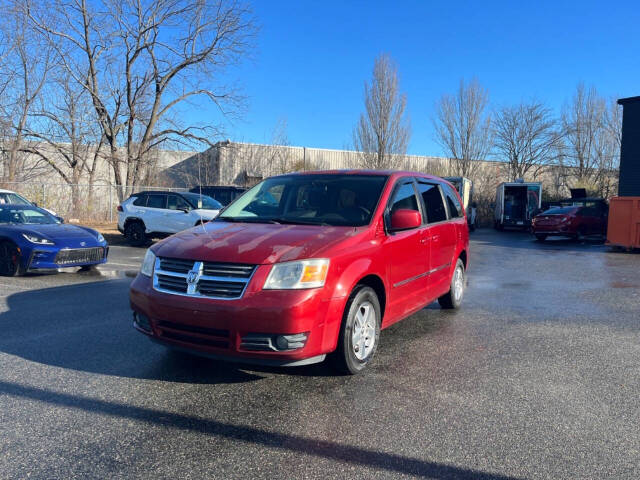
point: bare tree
(592, 133)
(67, 137)
(382, 134)
(463, 126)
(526, 138)
(608, 145)
(280, 156)
(24, 75)
(141, 60)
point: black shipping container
(629, 185)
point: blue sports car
(32, 239)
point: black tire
(344, 358)
(452, 300)
(540, 237)
(88, 269)
(581, 236)
(10, 260)
(135, 233)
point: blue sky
(313, 58)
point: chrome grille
(72, 256)
(193, 278)
(175, 284)
(176, 265)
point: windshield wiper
(291, 221)
(247, 220)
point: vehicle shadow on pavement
(88, 327)
(246, 434)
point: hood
(256, 243)
(59, 231)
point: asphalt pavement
(537, 376)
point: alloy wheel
(363, 336)
(458, 284)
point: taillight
(119, 208)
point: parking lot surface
(537, 376)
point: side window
(174, 202)
(404, 198)
(157, 201)
(433, 202)
(455, 209)
(140, 201)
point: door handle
(435, 237)
(423, 240)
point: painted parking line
(132, 265)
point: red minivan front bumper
(228, 329)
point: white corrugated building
(242, 164)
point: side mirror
(404, 219)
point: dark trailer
(516, 204)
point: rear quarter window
(140, 201)
(157, 201)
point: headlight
(297, 275)
(148, 263)
(100, 238)
(36, 239)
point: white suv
(148, 215)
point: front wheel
(135, 233)
(10, 260)
(453, 298)
(360, 331)
(541, 237)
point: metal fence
(82, 202)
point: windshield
(202, 201)
(25, 216)
(559, 211)
(340, 200)
(13, 199)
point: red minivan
(306, 265)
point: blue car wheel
(9, 260)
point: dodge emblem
(192, 277)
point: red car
(306, 265)
(577, 221)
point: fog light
(142, 322)
(291, 342)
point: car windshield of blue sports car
(23, 215)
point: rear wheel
(541, 237)
(581, 235)
(360, 331)
(10, 260)
(453, 298)
(135, 233)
